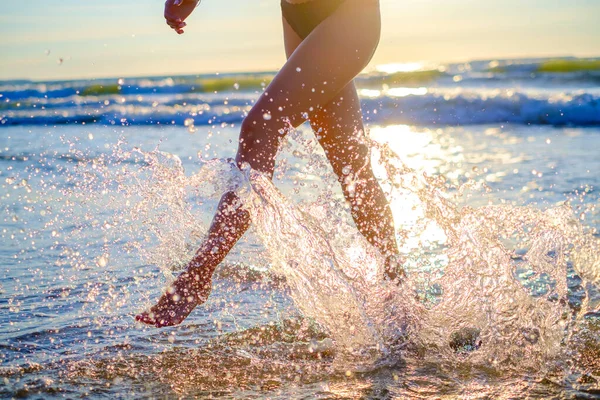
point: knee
(260, 125)
(258, 144)
(249, 141)
(247, 131)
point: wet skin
(313, 85)
(181, 297)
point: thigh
(291, 40)
(323, 64)
(338, 125)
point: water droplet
(267, 116)
(189, 122)
(102, 261)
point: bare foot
(394, 271)
(189, 290)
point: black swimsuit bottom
(305, 17)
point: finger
(177, 29)
(172, 17)
(176, 24)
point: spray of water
(498, 297)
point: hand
(176, 11)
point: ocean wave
(581, 109)
(555, 66)
(400, 78)
(540, 72)
(20, 90)
(408, 105)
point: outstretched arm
(176, 11)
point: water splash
(340, 287)
(495, 272)
(484, 250)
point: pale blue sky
(129, 38)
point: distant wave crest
(430, 106)
(582, 109)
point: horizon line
(274, 71)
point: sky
(67, 39)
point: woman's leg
(340, 130)
(341, 133)
(319, 68)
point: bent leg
(193, 286)
(320, 67)
(317, 70)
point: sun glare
(405, 91)
(418, 150)
(399, 67)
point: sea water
(108, 188)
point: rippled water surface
(497, 222)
